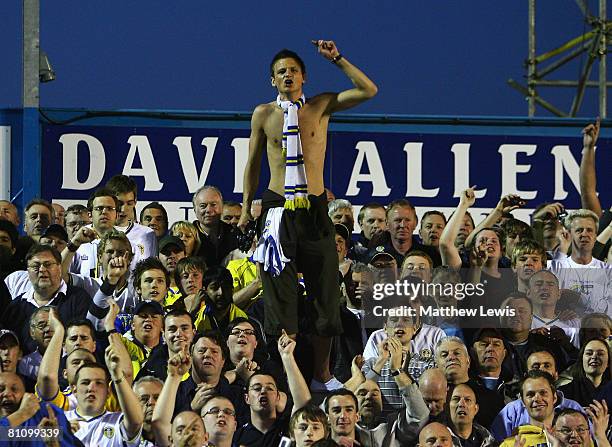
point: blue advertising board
(428, 164)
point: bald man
(435, 435)
(433, 387)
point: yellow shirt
(202, 322)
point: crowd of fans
(151, 334)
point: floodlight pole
(531, 62)
(603, 47)
(31, 149)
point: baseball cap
(6, 332)
(56, 230)
(378, 253)
(487, 332)
(153, 304)
(343, 231)
(171, 240)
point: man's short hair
(122, 184)
(528, 247)
(399, 203)
(434, 213)
(11, 230)
(231, 203)
(582, 213)
(500, 235)
(369, 206)
(102, 192)
(205, 188)
(42, 202)
(539, 350)
(568, 412)
(146, 265)
(514, 227)
(82, 322)
(187, 265)
(445, 274)
(93, 365)
(538, 374)
(219, 275)
(450, 338)
(311, 413)
(516, 295)
(179, 312)
(155, 206)
(549, 272)
(115, 235)
(287, 54)
(420, 254)
(42, 309)
(76, 209)
(216, 337)
(148, 379)
(340, 392)
(42, 248)
(338, 204)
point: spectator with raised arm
(267, 425)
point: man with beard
(217, 309)
(463, 408)
(23, 410)
(267, 425)
(452, 358)
(147, 390)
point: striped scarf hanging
(296, 188)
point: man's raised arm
(588, 179)
(364, 87)
(257, 143)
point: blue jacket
(515, 414)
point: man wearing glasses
(48, 289)
(102, 206)
(269, 417)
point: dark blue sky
(432, 57)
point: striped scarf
(296, 188)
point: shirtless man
(312, 250)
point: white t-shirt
(106, 430)
(593, 281)
(143, 239)
(423, 343)
(570, 327)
